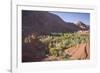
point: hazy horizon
(73, 16)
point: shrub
(53, 52)
(56, 43)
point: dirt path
(81, 51)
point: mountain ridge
(43, 22)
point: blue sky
(74, 17)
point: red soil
(80, 51)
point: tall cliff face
(43, 22)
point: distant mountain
(82, 26)
(43, 22)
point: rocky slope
(82, 26)
(43, 22)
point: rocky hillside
(37, 41)
(82, 26)
(43, 22)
